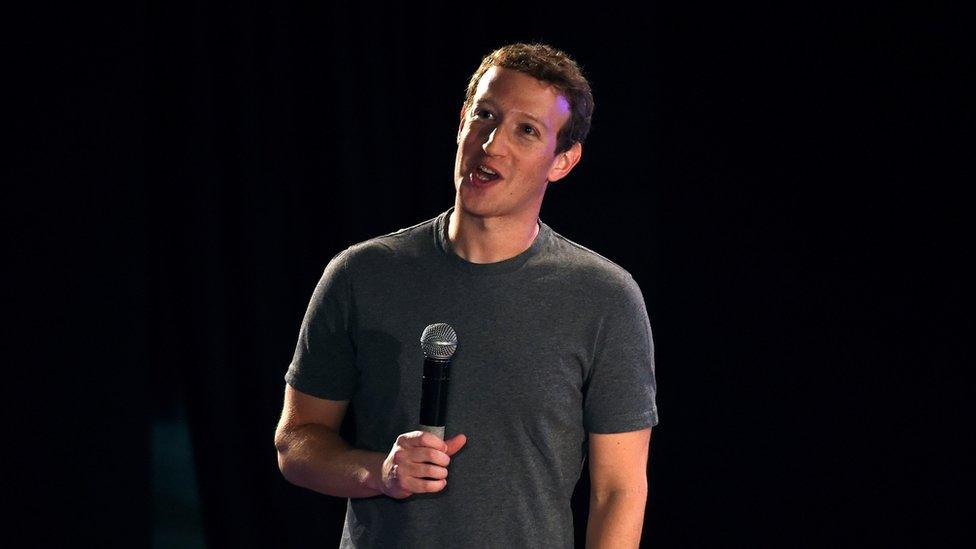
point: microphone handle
(433, 399)
(434, 430)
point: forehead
(517, 91)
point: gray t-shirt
(552, 344)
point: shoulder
(591, 270)
(409, 242)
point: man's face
(510, 129)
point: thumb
(455, 443)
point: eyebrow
(489, 102)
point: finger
(434, 472)
(420, 486)
(423, 471)
(427, 455)
(431, 441)
(409, 439)
(421, 439)
(455, 443)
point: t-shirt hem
(301, 385)
(643, 420)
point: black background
(778, 179)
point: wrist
(373, 477)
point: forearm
(313, 456)
(616, 519)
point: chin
(475, 208)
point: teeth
(486, 170)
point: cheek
(542, 165)
(469, 139)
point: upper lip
(491, 167)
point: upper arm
(618, 461)
(301, 409)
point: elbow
(290, 469)
(285, 465)
(287, 470)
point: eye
(483, 114)
(529, 130)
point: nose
(494, 145)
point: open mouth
(484, 175)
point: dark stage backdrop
(769, 175)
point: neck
(490, 239)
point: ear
(565, 162)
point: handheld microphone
(439, 342)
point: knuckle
(431, 441)
(434, 471)
(406, 437)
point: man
(554, 359)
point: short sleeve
(324, 363)
(620, 389)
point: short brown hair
(547, 64)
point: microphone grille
(438, 341)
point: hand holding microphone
(418, 461)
